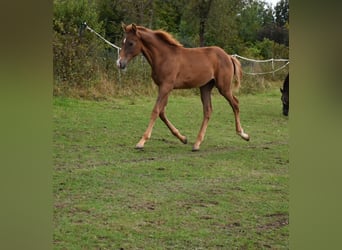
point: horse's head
(131, 45)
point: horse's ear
(123, 25)
(134, 28)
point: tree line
(251, 28)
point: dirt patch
(278, 220)
(198, 203)
(233, 225)
(150, 206)
(234, 228)
(206, 217)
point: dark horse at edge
(285, 94)
(176, 67)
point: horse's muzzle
(121, 63)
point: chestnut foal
(176, 67)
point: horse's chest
(164, 74)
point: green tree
(213, 22)
(223, 29)
(194, 21)
(168, 15)
(138, 11)
(75, 58)
(203, 14)
(282, 12)
(278, 29)
(253, 17)
(111, 15)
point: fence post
(273, 68)
(118, 51)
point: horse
(285, 93)
(176, 67)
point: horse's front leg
(171, 127)
(148, 132)
(207, 110)
(158, 107)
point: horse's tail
(237, 72)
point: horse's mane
(161, 34)
(167, 37)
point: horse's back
(212, 58)
(209, 53)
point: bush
(85, 66)
(75, 58)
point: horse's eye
(130, 44)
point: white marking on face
(118, 62)
(124, 41)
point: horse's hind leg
(207, 110)
(234, 103)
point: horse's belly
(193, 78)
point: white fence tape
(108, 42)
(272, 60)
(286, 61)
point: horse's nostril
(120, 64)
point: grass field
(232, 194)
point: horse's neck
(148, 54)
(153, 49)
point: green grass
(232, 194)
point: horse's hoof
(185, 141)
(244, 136)
(139, 147)
(195, 149)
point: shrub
(75, 58)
